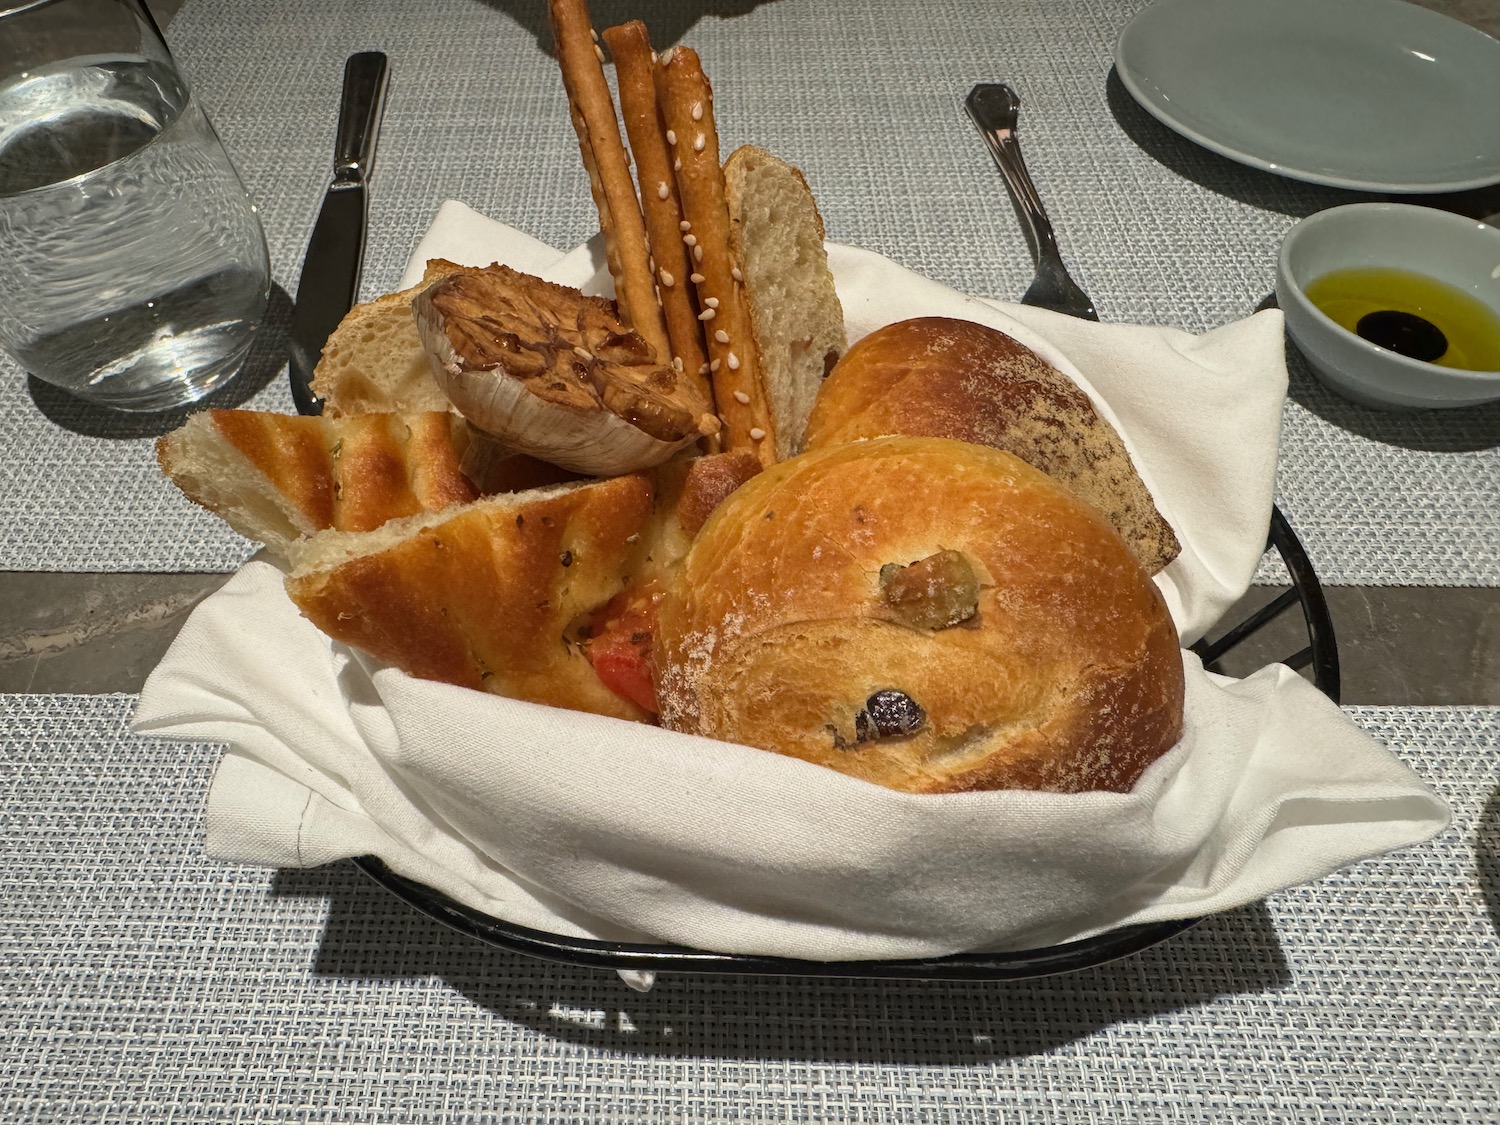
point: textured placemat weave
(142, 982)
(866, 99)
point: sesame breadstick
(593, 114)
(631, 49)
(686, 102)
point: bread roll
(939, 377)
(926, 614)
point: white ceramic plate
(1376, 95)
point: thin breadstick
(631, 49)
(686, 102)
(593, 113)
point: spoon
(995, 109)
(1404, 333)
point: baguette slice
(277, 477)
(776, 238)
(374, 362)
(492, 596)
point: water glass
(133, 267)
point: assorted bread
(923, 561)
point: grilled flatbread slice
(277, 477)
(495, 595)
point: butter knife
(329, 282)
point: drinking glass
(133, 267)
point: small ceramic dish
(1394, 272)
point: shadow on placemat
(667, 21)
(267, 359)
(370, 934)
(1454, 430)
(1217, 173)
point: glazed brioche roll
(928, 615)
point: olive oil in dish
(1399, 309)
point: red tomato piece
(620, 647)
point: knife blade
(329, 282)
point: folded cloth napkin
(593, 827)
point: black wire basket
(1320, 656)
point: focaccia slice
(277, 477)
(492, 596)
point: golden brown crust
(940, 377)
(593, 114)
(490, 596)
(778, 632)
(353, 473)
(709, 482)
(740, 397)
(631, 50)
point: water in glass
(132, 263)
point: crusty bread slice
(493, 595)
(776, 237)
(504, 594)
(374, 362)
(276, 477)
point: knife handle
(360, 110)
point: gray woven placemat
(866, 99)
(140, 981)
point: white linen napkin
(594, 827)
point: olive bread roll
(926, 614)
